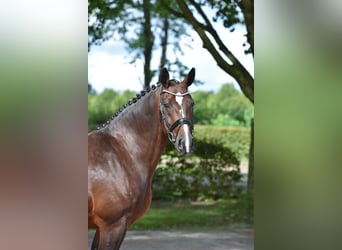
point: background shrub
(236, 139)
(211, 172)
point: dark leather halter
(177, 123)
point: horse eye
(166, 105)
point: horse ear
(190, 77)
(164, 77)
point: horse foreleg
(95, 243)
(111, 236)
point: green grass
(186, 214)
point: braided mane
(135, 99)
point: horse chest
(134, 191)
(139, 208)
(139, 200)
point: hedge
(211, 172)
(236, 139)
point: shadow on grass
(183, 214)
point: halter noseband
(180, 121)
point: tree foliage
(229, 13)
(227, 107)
(101, 107)
(147, 24)
(143, 26)
(91, 90)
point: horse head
(176, 108)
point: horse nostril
(180, 144)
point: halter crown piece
(180, 121)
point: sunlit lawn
(186, 214)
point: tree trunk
(250, 183)
(247, 8)
(148, 43)
(164, 43)
(235, 68)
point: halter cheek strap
(177, 123)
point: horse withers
(124, 152)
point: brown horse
(123, 154)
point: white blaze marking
(186, 127)
(179, 99)
(187, 137)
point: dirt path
(233, 239)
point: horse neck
(139, 128)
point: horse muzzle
(184, 143)
(183, 138)
(184, 148)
